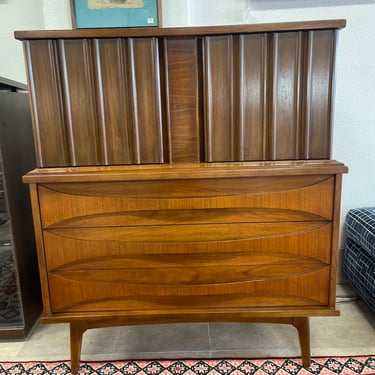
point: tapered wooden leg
(303, 328)
(77, 329)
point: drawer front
(75, 248)
(297, 198)
(190, 287)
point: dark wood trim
(179, 31)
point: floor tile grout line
(209, 338)
(139, 356)
(116, 341)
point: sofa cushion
(359, 270)
(360, 228)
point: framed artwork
(115, 13)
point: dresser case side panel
(39, 240)
(335, 239)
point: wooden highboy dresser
(185, 175)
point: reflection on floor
(353, 333)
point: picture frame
(115, 13)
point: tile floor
(353, 333)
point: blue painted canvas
(116, 17)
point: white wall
(204, 12)
(16, 15)
(56, 14)
(354, 128)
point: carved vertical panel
(48, 119)
(80, 103)
(219, 98)
(285, 106)
(146, 101)
(113, 101)
(183, 102)
(252, 99)
(319, 65)
(182, 98)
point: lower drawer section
(197, 244)
(202, 286)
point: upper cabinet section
(176, 95)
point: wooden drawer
(74, 248)
(183, 282)
(256, 199)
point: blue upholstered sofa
(359, 255)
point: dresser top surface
(181, 31)
(184, 171)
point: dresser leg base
(77, 329)
(303, 327)
(302, 324)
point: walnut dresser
(185, 175)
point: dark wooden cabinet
(184, 174)
(20, 296)
(209, 94)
